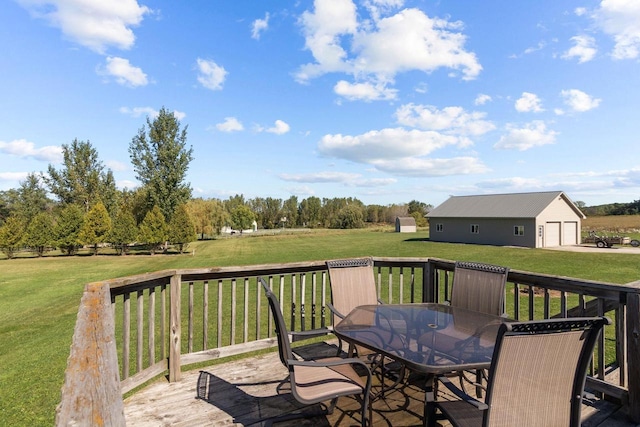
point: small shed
(405, 224)
(536, 220)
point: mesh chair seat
(537, 376)
(319, 380)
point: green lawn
(39, 297)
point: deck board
(245, 391)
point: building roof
(406, 220)
(514, 205)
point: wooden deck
(249, 391)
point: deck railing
(130, 330)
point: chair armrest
(302, 335)
(332, 362)
(335, 311)
(462, 395)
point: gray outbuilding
(406, 224)
(536, 220)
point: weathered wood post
(91, 393)
(175, 373)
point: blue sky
(387, 101)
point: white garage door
(570, 234)
(552, 234)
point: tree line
(87, 210)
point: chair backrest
(352, 284)
(479, 287)
(538, 372)
(284, 346)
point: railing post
(428, 283)
(91, 392)
(174, 333)
(633, 350)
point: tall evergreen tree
(123, 230)
(161, 159)
(181, 228)
(153, 229)
(68, 226)
(32, 198)
(96, 227)
(41, 233)
(11, 235)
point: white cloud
(583, 49)
(124, 73)
(148, 111)
(453, 120)
(533, 134)
(230, 124)
(259, 26)
(378, 8)
(482, 99)
(115, 165)
(125, 183)
(95, 24)
(364, 91)
(621, 20)
(416, 167)
(136, 112)
(579, 101)
(25, 149)
(345, 178)
(13, 176)
(535, 48)
(374, 50)
(279, 128)
(302, 191)
(211, 75)
(529, 102)
(385, 144)
(320, 177)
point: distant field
(628, 225)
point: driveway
(620, 249)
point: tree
(67, 230)
(421, 221)
(208, 216)
(351, 216)
(242, 217)
(11, 235)
(40, 234)
(272, 212)
(96, 227)
(31, 198)
(310, 211)
(83, 179)
(290, 211)
(153, 229)
(181, 228)
(8, 202)
(123, 230)
(161, 160)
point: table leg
(429, 417)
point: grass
(39, 297)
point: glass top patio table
(427, 338)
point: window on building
(439, 227)
(518, 230)
(475, 228)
